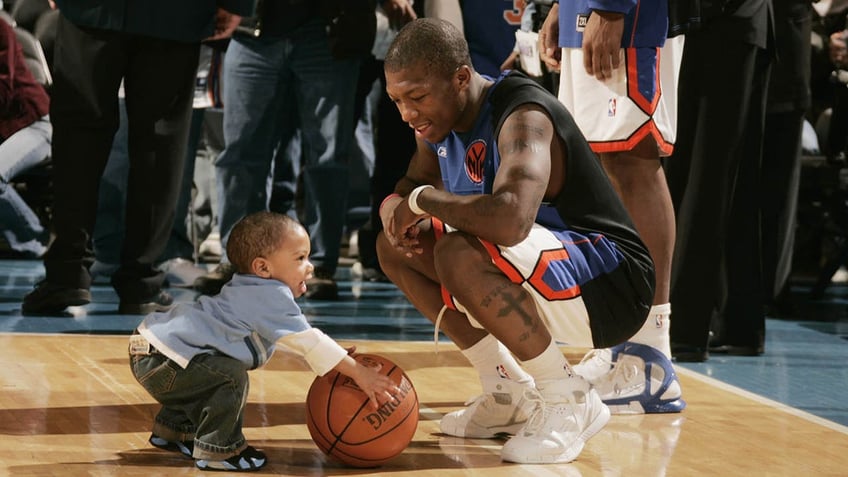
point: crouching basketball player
(507, 233)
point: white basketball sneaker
(596, 363)
(633, 378)
(492, 414)
(559, 426)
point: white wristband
(412, 201)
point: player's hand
(387, 216)
(409, 242)
(225, 25)
(602, 44)
(549, 51)
(404, 232)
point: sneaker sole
(569, 454)
(490, 433)
(636, 407)
(169, 446)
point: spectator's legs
(159, 112)
(22, 229)
(88, 67)
(325, 101)
(251, 107)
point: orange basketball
(345, 427)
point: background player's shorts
(639, 100)
(555, 267)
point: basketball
(345, 427)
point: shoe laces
(479, 400)
(598, 358)
(539, 411)
(624, 371)
(595, 364)
(436, 331)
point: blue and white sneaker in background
(633, 378)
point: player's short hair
(258, 235)
(435, 42)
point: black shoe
(157, 303)
(212, 282)
(183, 447)
(736, 350)
(50, 299)
(322, 286)
(248, 460)
(688, 354)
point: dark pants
(713, 177)
(158, 79)
(394, 147)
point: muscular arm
(423, 169)
(395, 215)
(505, 216)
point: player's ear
(260, 267)
(463, 76)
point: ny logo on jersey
(475, 157)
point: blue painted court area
(805, 365)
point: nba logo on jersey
(475, 157)
(611, 107)
(443, 151)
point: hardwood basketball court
(70, 406)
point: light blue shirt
(244, 321)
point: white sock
(656, 330)
(554, 377)
(494, 363)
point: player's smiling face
(428, 102)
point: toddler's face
(290, 262)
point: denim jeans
(204, 402)
(259, 75)
(23, 150)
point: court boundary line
(833, 426)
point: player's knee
(387, 254)
(456, 257)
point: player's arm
(549, 51)
(602, 36)
(395, 214)
(423, 169)
(506, 216)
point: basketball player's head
(274, 246)
(428, 73)
(434, 43)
